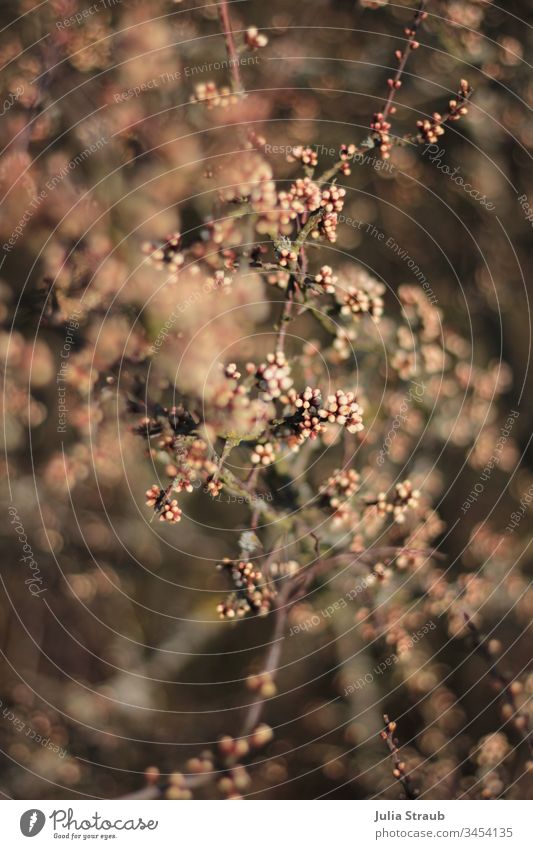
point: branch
(503, 684)
(181, 785)
(411, 44)
(223, 14)
(380, 123)
(387, 735)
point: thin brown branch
(286, 315)
(231, 50)
(399, 767)
(292, 590)
(380, 122)
(504, 685)
(411, 44)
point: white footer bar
(268, 824)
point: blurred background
(113, 659)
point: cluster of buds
(235, 778)
(170, 512)
(421, 315)
(381, 128)
(347, 152)
(262, 684)
(196, 455)
(255, 39)
(304, 196)
(194, 463)
(327, 227)
(155, 496)
(177, 788)
(261, 736)
(210, 94)
(287, 257)
(343, 409)
(272, 377)
(339, 488)
(233, 411)
(234, 782)
(489, 753)
(307, 421)
(166, 508)
(379, 574)
(326, 279)
(263, 454)
(182, 483)
(429, 129)
(404, 363)
(343, 342)
(252, 593)
(306, 155)
(280, 279)
(312, 415)
(231, 750)
(219, 233)
(332, 199)
(249, 178)
(214, 486)
(402, 498)
(232, 372)
(358, 300)
(457, 105)
(165, 256)
(202, 764)
(172, 443)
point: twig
(286, 314)
(380, 123)
(411, 44)
(271, 663)
(231, 50)
(293, 589)
(503, 684)
(387, 735)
